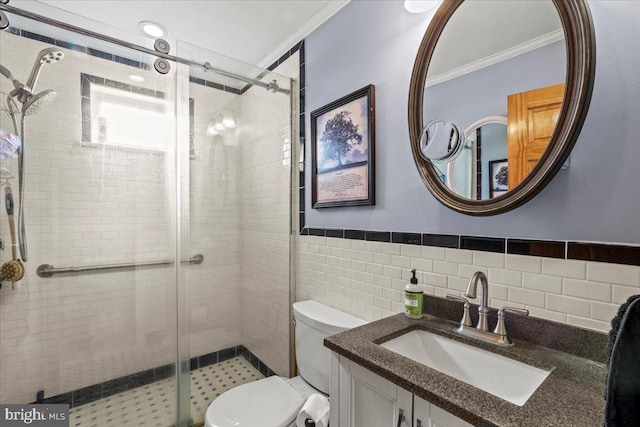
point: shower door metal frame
(205, 66)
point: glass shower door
(234, 309)
(93, 321)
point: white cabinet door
(426, 414)
(368, 400)
(420, 412)
(360, 398)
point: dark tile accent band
(585, 251)
(299, 47)
(542, 248)
(354, 234)
(118, 385)
(441, 240)
(316, 231)
(617, 254)
(378, 236)
(406, 238)
(333, 232)
(486, 244)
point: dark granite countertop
(572, 395)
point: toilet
(275, 401)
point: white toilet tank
(314, 322)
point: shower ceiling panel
(256, 32)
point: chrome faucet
(481, 331)
(483, 310)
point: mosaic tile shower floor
(154, 405)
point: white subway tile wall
(265, 151)
(550, 288)
(212, 288)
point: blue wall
(457, 99)
(596, 199)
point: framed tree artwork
(343, 151)
(498, 178)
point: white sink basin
(505, 378)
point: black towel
(623, 359)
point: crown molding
(487, 61)
(329, 9)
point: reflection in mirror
(497, 58)
(485, 144)
(441, 141)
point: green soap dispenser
(413, 298)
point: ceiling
(253, 31)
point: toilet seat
(269, 402)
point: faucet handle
(466, 318)
(501, 329)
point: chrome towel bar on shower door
(47, 270)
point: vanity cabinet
(427, 415)
(360, 398)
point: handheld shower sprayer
(12, 270)
(46, 56)
(31, 104)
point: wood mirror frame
(580, 50)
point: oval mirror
(517, 75)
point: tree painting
(502, 177)
(339, 136)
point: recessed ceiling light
(420, 6)
(152, 29)
(136, 78)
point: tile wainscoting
(366, 278)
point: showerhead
(38, 101)
(46, 56)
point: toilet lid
(269, 402)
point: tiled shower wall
(266, 158)
(367, 278)
(214, 231)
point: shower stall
(146, 255)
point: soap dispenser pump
(413, 298)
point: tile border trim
(114, 386)
(584, 251)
